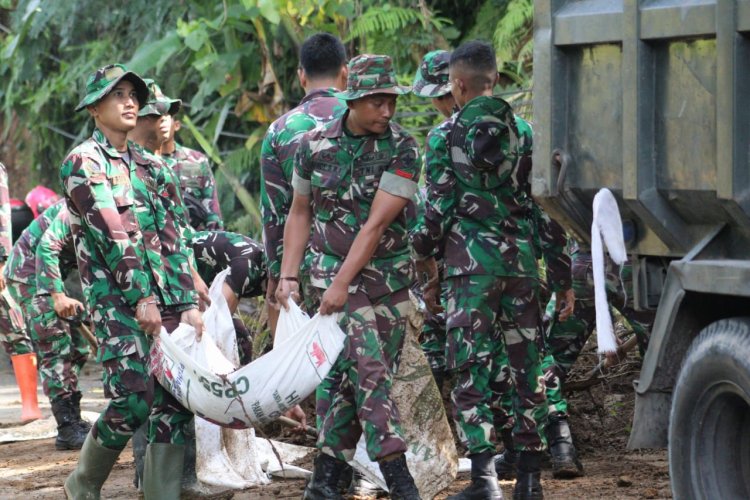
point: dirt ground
(600, 419)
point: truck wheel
(709, 424)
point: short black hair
(322, 55)
(478, 58)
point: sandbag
(207, 383)
(431, 455)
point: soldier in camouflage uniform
(60, 357)
(136, 279)
(13, 334)
(431, 81)
(322, 73)
(473, 206)
(352, 181)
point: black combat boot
(69, 435)
(483, 480)
(75, 398)
(528, 483)
(565, 463)
(398, 478)
(505, 462)
(323, 484)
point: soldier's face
(372, 114)
(118, 110)
(444, 104)
(156, 128)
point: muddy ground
(600, 418)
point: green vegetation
(232, 62)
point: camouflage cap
(484, 142)
(371, 74)
(431, 79)
(158, 103)
(103, 80)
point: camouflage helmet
(103, 80)
(485, 143)
(431, 79)
(158, 103)
(371, 74)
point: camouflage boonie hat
(103, 80)
(158, 103)
(484, 142)
(371, 74)
(431, 79)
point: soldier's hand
(2, 276)
(193, 318)
(298, 415)
(431, 296)
(64, 306)
(200, 286)
(566, 304)
(287, 288)
(334, 299)
(271, 286)
(148, 316)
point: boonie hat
(371, 74)
(484, 141)
(158, 103)
(431, 79)
(103, 80)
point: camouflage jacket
(277, 165)
(5, 218)
(55, 255)
(196, 179)
(128, 244)
(550, 241)
(21, 265)
(483, 231)
(342, 174)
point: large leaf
(153, 55)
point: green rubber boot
(162, 471)
(94, 465)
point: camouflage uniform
(13, 334)
(342, 174)
(128, 247)
(473, 207)
(216, 250)
(197, 182)
(277, 156)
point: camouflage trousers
(355, 397)
(13, 334)
(62, 350)
(217, 250)
(490, 319)
(134, 394)
(432, 340)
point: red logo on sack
(318, 354)
(403, 173)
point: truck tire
(709, 423)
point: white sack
(606, 225)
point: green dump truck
(649, 98)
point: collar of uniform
(139, 154)
(315, 93)
(102, 141)
(335, 129)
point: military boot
(70, 436)
(323, 484)
(94, 465)
(75, 398)
(528, 482)
(398, 478)
(162, 471)
(565, 463)
(505, 462)
(483, 484)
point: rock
(624, 481)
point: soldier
(352, 181)
(492, 272)
(321, 73)
(197, 181)
(13, 334)
(431, 81)
(136, 279)
(60, 357)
